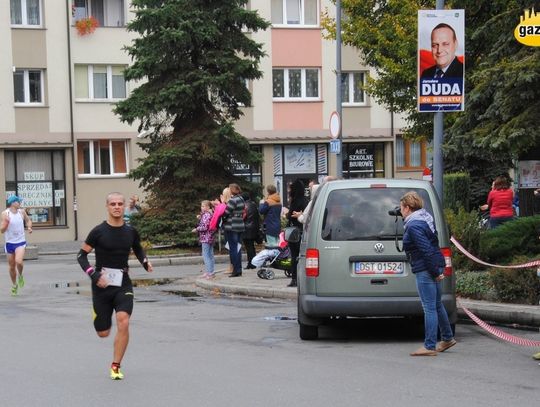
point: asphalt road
(203, 349)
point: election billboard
(441, 60)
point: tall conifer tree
(192, 60)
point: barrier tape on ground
(497, 332)
(530, 264)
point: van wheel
(308, 332)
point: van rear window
(362, 213)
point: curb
(281, 293)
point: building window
(38, 177)
(25, 13)
(109, 13)
(352, 92)
(412, 154)
(249, 173)
(363, 160)
(28, 86)
(296, 83)
(102, 157)
(100, 82)
(295, 12)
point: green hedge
(456, 190)
(513, 238)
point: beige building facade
(62, 149)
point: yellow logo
(528, 30)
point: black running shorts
(109, 299)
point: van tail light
(447, 253)
(312, 263)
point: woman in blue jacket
(421, 244)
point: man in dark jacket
(252, 225)
(234, 227)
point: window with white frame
(28, 86)
(295, 83)
(352, 92)
(100, 82)
(108, 13)
(295, 12)
(102, 157)
(25, 13)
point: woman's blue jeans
(435, 316)
(235, 255)
(208, 257)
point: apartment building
(62, 148)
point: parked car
(351, 263)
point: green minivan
(351, 260)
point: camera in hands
(395, 212)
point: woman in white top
(12, 224)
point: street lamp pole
(438, 139)
(339, 158)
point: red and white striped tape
(497, 332)
(534, 263)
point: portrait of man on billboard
(443, 49)
(441, 58)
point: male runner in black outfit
(111, 285)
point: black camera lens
(395, 212)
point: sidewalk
(249, 284)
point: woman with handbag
(297, 204)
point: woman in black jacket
(252, 224)
(297, 203)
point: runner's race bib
(114, 276)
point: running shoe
(116, 373)
(536, 356)
(21, 281)
(14, 290)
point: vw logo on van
(379, 248)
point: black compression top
(113, 245)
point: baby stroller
(273, 258)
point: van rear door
(358, 255)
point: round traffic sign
(335, 125)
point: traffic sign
(335, 146)
(335, 125)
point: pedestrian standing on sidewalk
(234, 227)
(270, 208)
(421, 245)
(252, 225)
(12, 224)
(297, 205)
(112, 289)
(499, 202)
(206, 238)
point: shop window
(100, 82)
(28, 86)
(108, 13)
(412, 154)
(295, 83)
(102, 157)
(363, 160)
(248, 172)
(25, 13)
(38, 177)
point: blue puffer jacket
(422, 247)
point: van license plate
(378, 267)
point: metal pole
(339, 158)
(438, 139)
